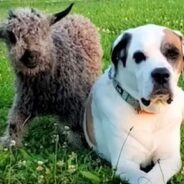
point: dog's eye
(172, 53)
(139, 56)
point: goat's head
(26, 34)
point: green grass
(42, 159)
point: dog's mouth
(159, 95)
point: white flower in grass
(24, 162)
(40, 168)
(25, 144)
(57, 138)
(108, 31)
(12, 143)
(41, 179)
(5, 149)
(41, 147)
(73, 156)
(60, 163)
(40, 162)
(182, 171)
(72, 168)
(21, 163)
(103, 30)
(47, 171)
(66, 127)
(64, 146)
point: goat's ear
(58, 16)
(11, 14)
(11, 37)
(7, 35)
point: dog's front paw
(141, 180)
(136, 179)
(144, 180)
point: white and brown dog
(135, 110)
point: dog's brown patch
(88, 123)
(173, 41)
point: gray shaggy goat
(55, 60)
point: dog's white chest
(150, 133)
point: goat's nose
(160, 75)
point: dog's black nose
(160, 75)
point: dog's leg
(17, 124)
(126, 167)
(113, 143)
(161, 173)
(164, 170)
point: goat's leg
(17, 125)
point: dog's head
(148, 61)
(27, 36)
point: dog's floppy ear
(120, 49)
(180, 35)
(58, 16)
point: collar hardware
(124, 94)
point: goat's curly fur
(65, 61)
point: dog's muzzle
(161, 88)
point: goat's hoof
(8, 142)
